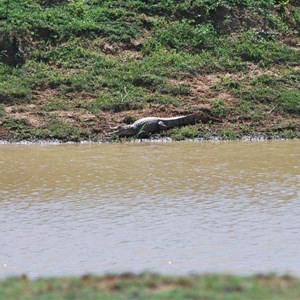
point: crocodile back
(179, 121)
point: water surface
(166, 207)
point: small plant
(2, 110)
(264, 80)
(257, 115)
(177, 90)
(77, 6)
(245, 107)
(245, 129)
(232, 84)
(289, 100)
(15, 124)
(263, 94)
(14, 89)
(219, 108)
(45, 3)
(148, 80)
(229, 134)
(184, 35)
(183, 133)
(55, 105)
(114, 138)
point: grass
(142, 58)
(189, 132)
(152, 286)
(229, 134)
(2, 110)
(219, 108)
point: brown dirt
(203, 91)
(45, 95)
(4, 133)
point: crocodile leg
(162, 125)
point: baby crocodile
(144, 127)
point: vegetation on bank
(70, 69)
(152, 286)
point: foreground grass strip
(152, 286)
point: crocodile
(144, 127)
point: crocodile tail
(185, 120)
(192, 119)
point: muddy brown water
(165, 207)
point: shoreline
(157, 139)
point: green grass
(53, 129)
(219, 108)
(152, 286)
(263, 94)
(14, 89)
(16, 124)
(2, 110)
(183, 133)
(63, 131)
(183, 35)
(116, 102)
(229, 134)
(55, 105)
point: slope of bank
(71, 69)
(152, 286)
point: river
(173, 208)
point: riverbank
(152, 286)
(71, 69)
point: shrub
(289, 100)
(184, 35)
(187, 132)
(2, 110)
(15, 124)
(229, 134)
(14, 90)
(148, 80)
(219, 108)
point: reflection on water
(171, 208)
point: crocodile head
(126, 130)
